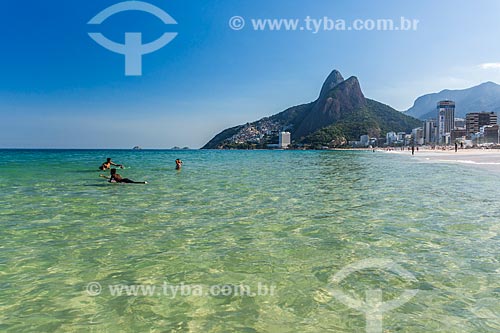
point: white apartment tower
(446, 120)
(284, 139)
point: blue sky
(60, 89)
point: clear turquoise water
(289, 219)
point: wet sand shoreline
(487, 159)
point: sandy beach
(488, 159)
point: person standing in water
(106, 165)
(116, 178)
(178, 164)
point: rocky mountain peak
(331, 82)
(340, 113)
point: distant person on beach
(106, 165)
(116, 178)
(461, 145)
(456, 147)
(178, 164)
(413, 150)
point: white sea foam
(469, 162)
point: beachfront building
(417, 135)
(445, 120)
(487, 135)
(284, 140)
(430, 131)
(490, 133)
(364, 140)
(390, 138)
(407, 139)
(458, 135)
(460, 123)
(474, 121)
(375, 142)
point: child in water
(178, 164)
(116, 178)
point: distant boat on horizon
(137, 148)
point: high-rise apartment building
(474, 121)
(445, 120)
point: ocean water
(289, 221)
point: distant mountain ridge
(340, 114)
(483, 97)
